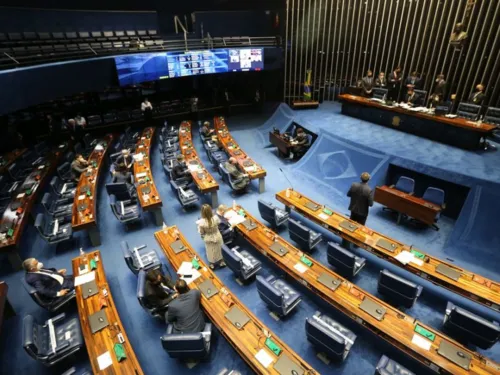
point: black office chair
(49, 304)
(154, 311)
(302, 235)
(345, 262)
(187, 345)
(469, 111)
(272, 214)
(398, 290)
(140, 258)
(388, 366)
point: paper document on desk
(85, 278)
(98, 148)
(300, 267)
(234, 218)
(323, 216)
(141, 175)
(421, 342)
(186, 268)
(138, 157)
(264, 358)
(250, 169)
(405, 257)
(418, 262)
(193, 168)
(104, 361)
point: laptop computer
(89, 289)
(98, 321)
(237, 317)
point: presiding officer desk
(251, 338)
(103, 341)
(446, 275)
(201, 177)
(84, 205)
(147, 193)
(454, 131)
(10, 157)
(406, 333)
(231, 147)
(284, 145)
(18, 212)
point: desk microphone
(286, 178)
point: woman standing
(208, 226)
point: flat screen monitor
(134, 69)
(182, 64)
(245, 59)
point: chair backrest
(401, 286)
(119, 190)
(267, 211)
(46, 200)
(33, 337)
(492, 116)
(184, 345)
(127, 255)
(79, 148)
(405, 184)
(421, 96)
(318, 333)
(35, 296)
(434, 195)
(272, 296)
(340, 256)
(141, 291)
(64, 168)
(13, 169)
(298, 232)
(469, 111)
(40, 224)
(54, 183)
(224, 173)
(380, 93)
(232, 261)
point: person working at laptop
(49, 282)
(184, 312)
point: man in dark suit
(180, 169)
(394, 83)
(78, 166)
(159, 289)
(49, 282)
(361, 199)
(125, 160)
(439, 92)
(413, 81)
(367, 84)
(411, 97)
(184, 312)
(478, 96)
(300, 143)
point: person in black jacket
(439, 92)
(478, 96)
(159, 289)
(300, 144)
(184, 312)
(394, 83)
(413, 81)
(180, 170)
(411, 97)
(361, 199)
(48, 282)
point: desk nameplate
(373, 308)
(448, 272)
(285, 366)
(208, 288)
(279, 249)
(178, 246)
(389, 246)
(454, 354)
(329, 281)
(312, 206)
(351, 227)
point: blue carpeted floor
(345, 148)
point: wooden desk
(247, 341)
(10, 157)
(232, 148)
(455, 131)
(104, 340)
(282, 144)
(84, 205)
(302, 104)
(201, 177)
(407, 204)
(395, 327)
(147, 193)
(25, 198)
(469, 285)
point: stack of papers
(138, 157)
(193, 167)
(85, 278)
(300, 267)
(104, 361)
(405, 257)
(186, 268)
(324, 216)
(234, 218)
(99, 147)
(264, 358)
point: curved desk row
(84, 205)
(18, 212)
(232, 148)
(147, 193)
(10, 157)
(404, 332)
(446, 275)
(250, 340)
(110, 338)
(202, 178)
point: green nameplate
(306, 261)
(147, 179)
(327, 211)
(241, 212)
(272, 345)
(417, 254)
(427, 334)
(28, 192)
(93, 264)
(94, 164)
(89, 193)
(195, 263)
(119, 352)
(104, 144)
(10, 232)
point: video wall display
(134, 69)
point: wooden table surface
(458, 122)
(407, 204)
(88, 182)
(10, 157)
(470, 285)
(247, 341)
(105, 339)
(143, 175)
(395, 327)
(202, 178)
(233, 150)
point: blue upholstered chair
(436, 196)
(242, 263)
(398, 290)
(470, 327)
(217, 157)
(387, 366)
(187, 345)
(18, 172)
(64, 172)
(272, 214)
(49, 304)
(37, 342)
(61, 188)
(184, 194)
(75, 371)
(53, 230)
(125, 207)
(58, 208)
(168, 162)
(280, 297)
(228, 179)
(345, 262)
(154, 311)
(305, 237)
(329, 336)
(7, 188)
(405, 184)
(140, 258)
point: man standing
(478, 96)
(367, 84)
(361, 199)
(49, 282)
(394, 83)
(184, 312)
(147, 110)
(381, 81)
(439, 93)
(413, 81)
(124, 161)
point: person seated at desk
(184, 312)
(411, 97)
(78, 166)
(240, 179)
(367, 84)
(439, 92)
(125, 160)
(49, 282)
(206, 131)
(159, 289)
(381, 81)
(413, 81)
(478, 96)
(300, 143)
(181, 170)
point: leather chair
(387, 366)
(37, 338)
(124, 205)
(181, 181)
(242, 263)
(228, 234)
(53, 230)
(397, 289)
(436, 196)
(17, 172)
(217, 157)
(273, 215)
(280, 297)
(329, 336)
(109, 117)
(169, 131)
(405, 184)
(7, 188)
(74, 371)
(64, 172)
(469, 111)
(49, 304)
(58, 208)
(470, 327)
(305, 237)
(169, 146)
(136, 114)
(165, 139)
(62, 189)
(79, 149)
(187, 345)
(140, 258)
(345, 262)
(30, 157)
(141, 292)
(89, 142)
(185, 195)
(168, 163)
